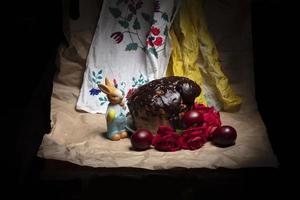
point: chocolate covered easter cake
(162, 102)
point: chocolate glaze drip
(166, 96)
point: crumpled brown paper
(78, 137)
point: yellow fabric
(195, 56)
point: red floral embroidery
(115, 83)
(117, 36)
(158, 41)
(155, 31)
(149, 42)
(156, 6)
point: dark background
(37, 33)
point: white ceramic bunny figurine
(115, 114)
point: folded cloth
(130, 46)
(195, 56)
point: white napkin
(130, 46)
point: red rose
(158, 41)
(155, 31)
(195, 129)
(211, 121)
(164, 130)
(169, 141)
(211, 118)
(193, 138)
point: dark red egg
(192, 118)
(141, 139)
(224, 136)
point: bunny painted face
(114, 95)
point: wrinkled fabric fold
(195, 56)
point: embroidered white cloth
(130, 46)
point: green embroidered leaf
(136, 24)
(153, 51)
(115, 12)
(148, 18)
(131, 46)
(165, 17)
(101, 99)
(133, 78)
(100, 72)
(123, 93)
(129, 17)
(102, 103)
(141, 76)
(94, 74)
(94, 80)
(166, 31)
(99, 77)
(124, 24)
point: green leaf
(100, 72)
(115, 12)
(94, 74)
(129, 17)
(148, 18)
(94, 80)
(102, 103)
(136, 24)
(101, 99)
(179, 131)
(131, 46)
(123, 23)
(166, 31)
(153, 51)
(133, 78)
(99, 77)
(165, 17)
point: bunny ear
(108, 82)
(104, 88)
